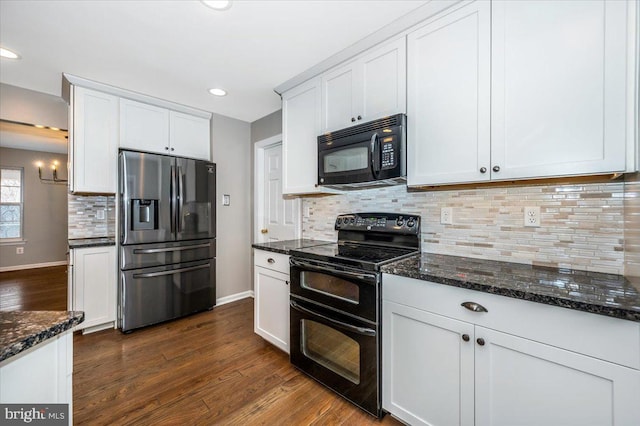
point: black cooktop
(362, 256)
(368, 240)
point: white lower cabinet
(449, 368)
(271, 281)
(94, 286)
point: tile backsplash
(632, 225)
(91, 216)
(582, 225)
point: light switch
(226, 200)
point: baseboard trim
(234, 297)
(32, 266)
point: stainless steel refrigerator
(167, 238)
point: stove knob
(339, 221)
(400, 222)
(352, 221)
(410, 223)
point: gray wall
(45, 211)
(267, 126)
(27, 106)
(231, 151)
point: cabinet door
(448, 127)
(95, 284)
(338, 92)
(519, 381)
(144, 127)
(558, 87)
(272, 306)
(94, 141)
(300, 123)
(427, 367)
(383, 82)
(190, 136)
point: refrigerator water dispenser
(144, 214)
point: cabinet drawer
(607, 338)
(270, 260)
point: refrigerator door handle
(171, 272)
(170, 249)
(173, 204)
(180, 199)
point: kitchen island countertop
(594, 292)
(21, 330)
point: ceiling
(177, 50)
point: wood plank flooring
(206, 369)
(41, 289)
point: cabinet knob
(465, 337)
(483, 170)
(172, 149)
(496, 169)
(286, 282)
(264, 231)
(359, 117)
(473, 306)
(271, 260)
(166, 148)
(353, 119)
(480, 341)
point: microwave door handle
(375, 155)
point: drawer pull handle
(480, 341)
(465, 337)
(473, 306)
(286, 282)
(271, 260)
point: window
(11, 204)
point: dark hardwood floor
(41, 289)
(206, 369)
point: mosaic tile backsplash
(91, 216)
(582, 225)
(632, 225)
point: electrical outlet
(446, 216)
(532, 216)
(19, 250)
(100, 214)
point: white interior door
(280, 216)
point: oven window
(344, 160)
(331, 349)
(330, 286)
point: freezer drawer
(153, 295)
(160, 254)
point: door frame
(258, 182)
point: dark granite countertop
(92, 242)
(598, 293)
(285, 246)
(21, 330)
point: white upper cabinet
(448, 127)
(189, 136)
(144, 127)
(300, 124)
(559, 87)
(370, 87)
(151, 128)
(93, 137)
(521, 89)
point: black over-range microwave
(369, 154)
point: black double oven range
(336, 302)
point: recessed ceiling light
(217, 4)
(218, 92)
(6, 53)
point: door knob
(264, 230)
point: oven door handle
(369, 278)
(359, 330)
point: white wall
(231, 151)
